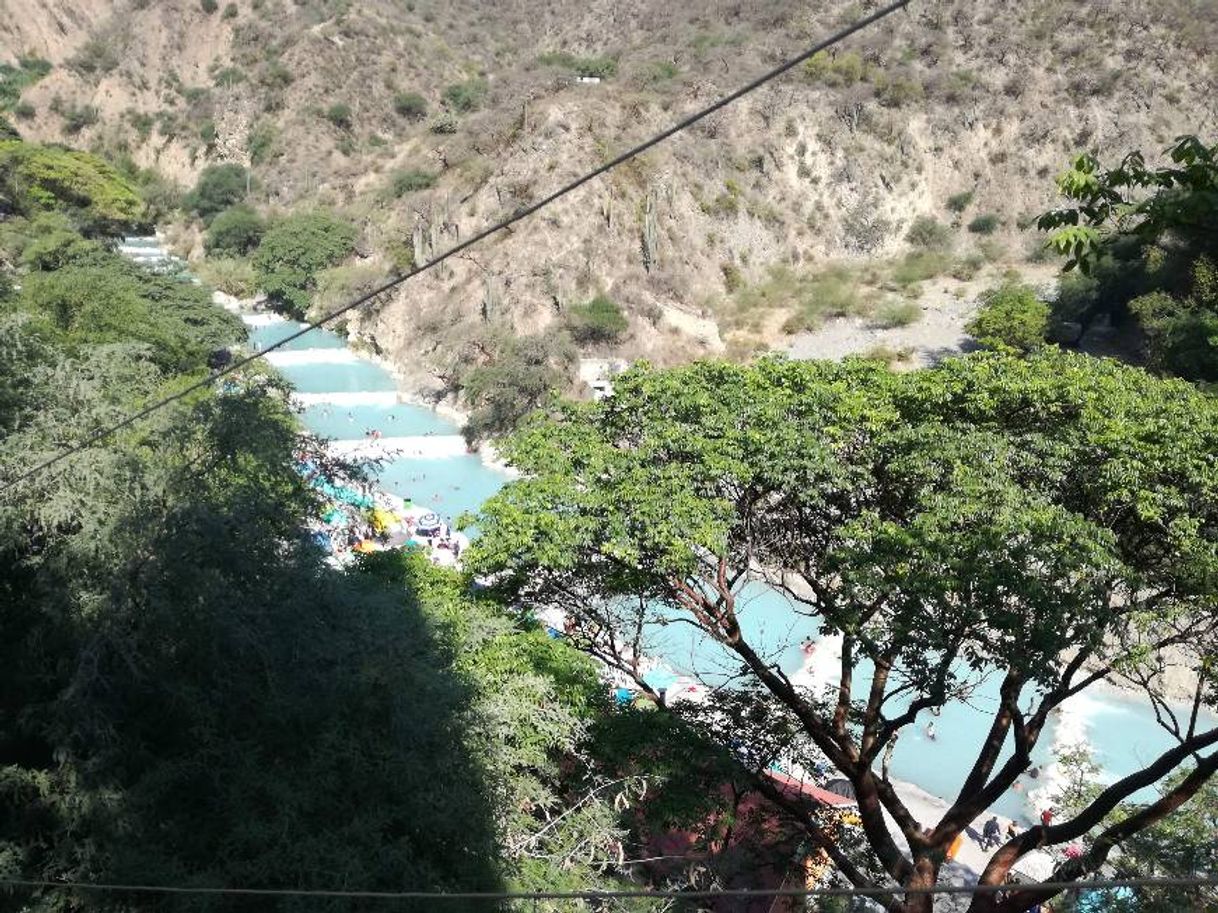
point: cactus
(490, 295)
(650, 238)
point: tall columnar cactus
(650, 239)
(490, 295)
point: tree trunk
(925, 874)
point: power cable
(517, 216)
(1039, 887)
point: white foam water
(284, 358)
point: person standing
(991, 834)
(1046, 817)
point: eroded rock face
(982, 99)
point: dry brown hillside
(790, 207)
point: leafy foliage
(596, 322)
(218, 188)
(929, 233)
(294, 250)
(463, 97)
(235, 231)
(520, 374)
(409, 180)
(1011, 319)
(1145, 239)
(50, 179)
(992, 516)
(410, 105)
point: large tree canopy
(1043, 523)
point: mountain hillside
(424, 121)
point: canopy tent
(429, 524)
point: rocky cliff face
(957, 111)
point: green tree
(294, 250)
(599, 321)
(1011, 318)
(518, 375)
(235, 231)
(1138, 231)
(340, 115)
(218, 188)
(35, 179)
(1018, 519)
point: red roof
(809, 790)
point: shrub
(218, 188)
(96, 56)
(409, 180)
(897, 314)
(929, 233)
(958, 202)
(597, 321)
(228, 77)
(77, 117)
(236, 231)
(601, 67)
(444, 124)
(984, 224)
(209, 6)
(230, 11)
(918, 266)
(230, 275)
(410, 105)
(24, 110)
(8, 131)
(1011, 319)
(208, 132)
(732, 279)
(966, 268)
(260, 143)
(843, 69)
(466, 96)
(339, 114)
(294, 250)
(897, 93)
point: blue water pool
(353, 422)
(330, 378)
(315, 339)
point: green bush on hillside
(236, 231)
(218, 188)
(410, 105)
(985, 224)
(958, 202)
(929, 233)
(340, 115)
(294, 250)
(408, 180)
(601, 67)
(463, 97)
(1011, 319)
(597, 321)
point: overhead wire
(950, 889)
(519, 214)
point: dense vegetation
(1146, 241)
(1019, 518)
(188, 694)
(293, 251)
